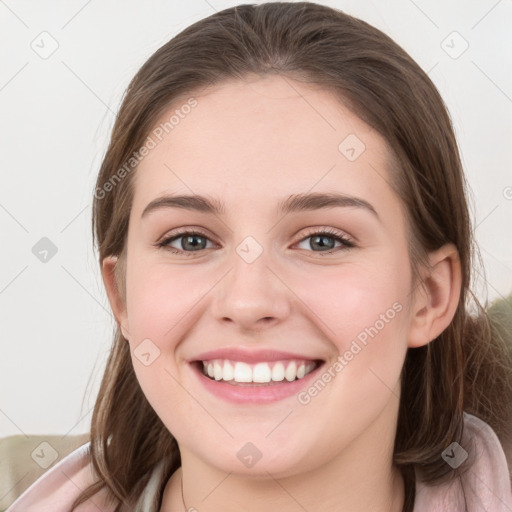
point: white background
(56, 115)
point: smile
(257, 383)
(239, 372)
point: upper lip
(250, 355)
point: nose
(252, 296)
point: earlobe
(115, 295)
(437, 298)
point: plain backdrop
(64, 67)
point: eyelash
(348, 244)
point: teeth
(243, 372)
(228, 372)
(217, 371)
(261, 373)
(291, 372)
(278, 372)
(220, 369)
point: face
(268, 282)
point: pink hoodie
(486, 484)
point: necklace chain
(182, 497)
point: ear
(437, 297)
(115, 295)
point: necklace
(182, 498)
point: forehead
(260, 138)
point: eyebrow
(292, 204)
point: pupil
(323, 241)
(189, 239)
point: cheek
(156, 301)
(350, 301)
(163, 303)
(159, 299)
(362, 313)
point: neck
(286, 496)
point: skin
(251, 144)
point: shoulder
(56, 490)
(484, 485)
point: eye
(326, 238)
(191, 241)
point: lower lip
(254, 394)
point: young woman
(285, 243)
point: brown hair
(464, 369)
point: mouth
(241, 376)
(268, 373)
